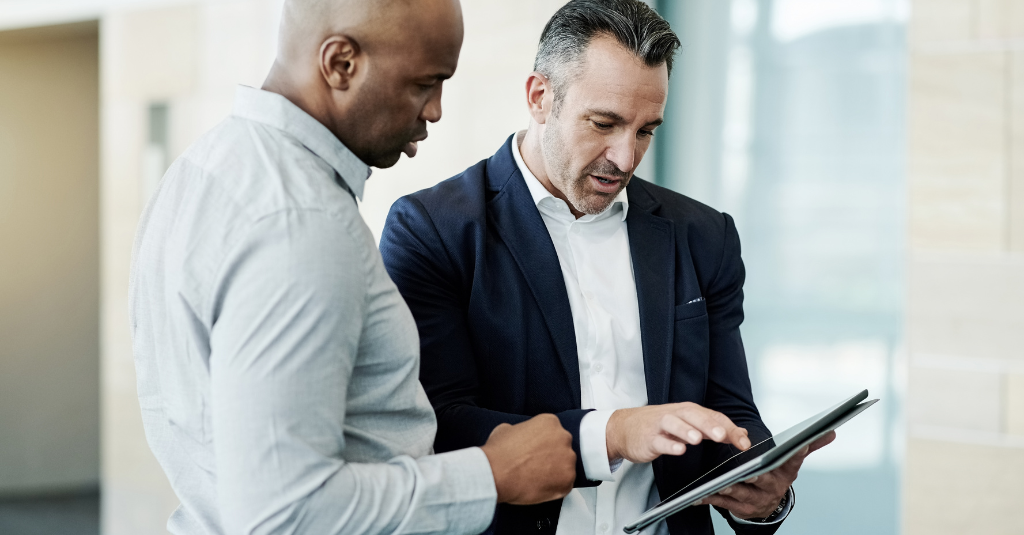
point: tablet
(758, 459)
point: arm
(421, 267)
(288, 311)
(729, 392)
(729, 389)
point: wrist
(496, 471)
(776, 512)
(611, 436)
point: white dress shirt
(593, 252)
(278, 366)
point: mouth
(605, 184)
(412, 147)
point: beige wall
(965, 309)
(49, 264)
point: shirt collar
(539, 192)
(277, 111)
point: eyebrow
(618, 118)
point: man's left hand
(759, 496)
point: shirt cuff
(457, 494)
(790, 498)
(594, 447)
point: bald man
(277, 363)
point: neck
(287, 84)
(533, 156)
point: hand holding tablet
(759, 497)
(760, 459)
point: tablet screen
(731, 463)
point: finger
(674, 426)
(794, 463)
(792, 466)
(738, 437)
(774, 484)
(663, 445)
(715, 425)
(497, 431)
(738, 508)
(822, 442)
(735, 435)
(747, 494)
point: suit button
(543, 524)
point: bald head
(369, 70)
(305, 24)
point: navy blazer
(474, 261)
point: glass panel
(789, 115)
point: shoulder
(705, 238)
(694, 219)
(456, 195)
(239, 183)
(448, 206)
(259, 170)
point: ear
(339, 59)
(540, 97)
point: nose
(432, 110)
(622, 153)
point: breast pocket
(690, 353)
(691, 310)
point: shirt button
(598, 368)
(603, 526)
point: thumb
(498, 431)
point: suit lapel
(652, 248)
(517, 220)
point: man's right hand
(532, 462)
(643, 434)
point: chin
(385, 160)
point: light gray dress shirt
(277, 363)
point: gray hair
(632, 23)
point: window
(789, 115)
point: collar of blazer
(652, 247)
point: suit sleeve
(433, 287)
(729, 390)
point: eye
(645, 133)
(601, 126)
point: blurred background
(871, 151)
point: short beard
(576, 189)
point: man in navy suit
(549, 279)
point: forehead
(611, 76)
(428, 37)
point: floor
(77, 514)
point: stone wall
(965, 302)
